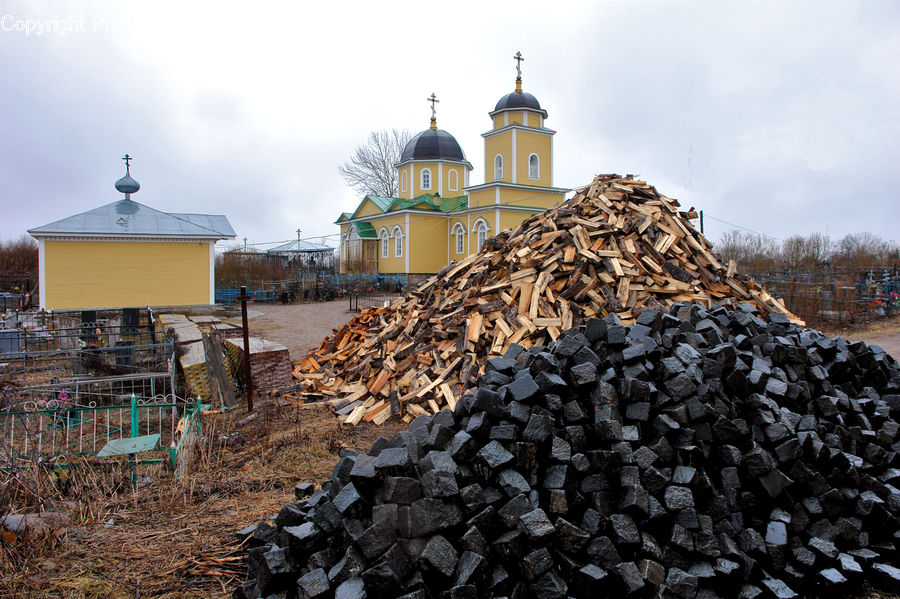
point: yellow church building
(439, 217)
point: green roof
(383, 203)
(364, 229)
(427, 201)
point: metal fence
(59, 428)
(361, 301)
(89, 335)
(97, 390)
(233, 295)
(828, 296)
(50, 366)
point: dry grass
(176, 538)
(884, 327)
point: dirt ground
(298, 327)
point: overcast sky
(780, 117)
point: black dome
(433, 144)
(518, 100)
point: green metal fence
(57, 429)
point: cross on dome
(433, 99)
(126, 184)
(518, 58)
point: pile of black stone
(697, 453)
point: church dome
(518, 100)
(127, 184)
(433, 144)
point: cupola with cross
(518, 153)
(432, 163)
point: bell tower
(518, 153)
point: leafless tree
(370, 170)
(750, 251)
(808, 252)
(865, 249)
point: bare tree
(751, 252)
(865, 249)
(809, 251)
(370, 170)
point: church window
(498, 167)
(534, 167)
(383, 237)
(398, 241)
(481, 230)
(452, 180)
(460, 233)
(426, 178)
(403, 181)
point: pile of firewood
(617, 247)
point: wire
(705, 215)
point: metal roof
(515, 100)
(127, 217)
(364, 229)
(432, 144)
(432, 202)
(298, 246)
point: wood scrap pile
(618, 246)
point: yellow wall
(367, 208)
(112, 274)
(428, 251)
(440, 179)
(516, 117)
(529, 197)
(392, 263)
(533, 143)
(482, 197)
(510, 219)
(498, 121)
(453, 254)
(499, 144)
(417, 178)
(460, 180)
(403, 173)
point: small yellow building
(439, 217)
(126, 254)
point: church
(439, 217)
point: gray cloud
(780, 117)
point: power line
(706, 215)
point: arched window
(426, 178)
(481, 230)
(459, 231)
(498, 167)
(534, 167)
(383, 237)
(353, 241)
(398, 241)
(403, 181)
(452, 181)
